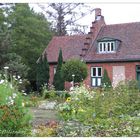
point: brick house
(115, 48)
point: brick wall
(130, 70)
(51, 73)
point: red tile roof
(129, 49)
(71, 47)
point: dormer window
(106, 47)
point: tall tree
(42, 72)
(58, 80)
(16, 65)
(64, 16)
(30, 34)
(4, 38)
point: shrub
(54, 95)
(106, 82)
(74, 67)
(15, 119)
(48, 94)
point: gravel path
(41, 116)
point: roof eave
(111, 61)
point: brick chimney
(97, 24)
(94, 30)
(97, 13)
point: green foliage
(76, 67)
(31, 100)
(52, 94)
(58, 80)
(74, 129)
(44, 131)
(42, 72)
(106, 82)
(15, 119)
(30, 34)
(4, 38)
(16, 66)
(107, 113)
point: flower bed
(15, 120)
(103, 113)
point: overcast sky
(113, 13)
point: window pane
(98, 81)
(104, 47)
(100, 47)
(94, 71)
(93, 81)
(99, 72)
(108, 46)
(112, 47)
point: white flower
(23, 104)
(14, 95)
(11, 102)
(14, 76)
(18, 77)
(10, 98)
(20, 81)
(6, 68)
(71, 88)
(1, 81)
(11, 86)
(24, 93)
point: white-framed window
(96, 76)
(106, 47)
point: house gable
(127, 38)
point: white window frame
(103, 47)
(96, 80)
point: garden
(31, 105)
(82, 112)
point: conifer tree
(58, 81)
(46, 70)
(42, 72)
(106, 82)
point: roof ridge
(70, 35)
(122, 23)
